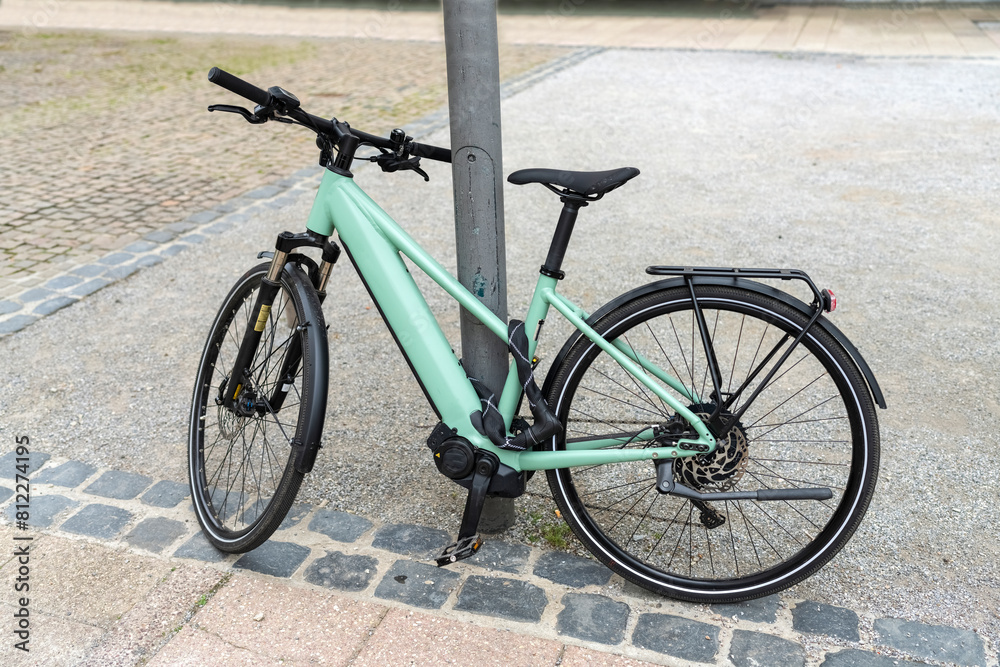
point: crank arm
(665, 484)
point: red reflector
(831, 300)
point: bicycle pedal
(457, 551)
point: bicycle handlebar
(265, 99)
(239, 86)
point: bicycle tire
(814, 424)
(240, 498)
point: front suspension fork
(269, 288)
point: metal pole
(472, 53)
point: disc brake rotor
(720, 470)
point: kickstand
(468, 539)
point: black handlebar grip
(239, 86)
(431, 152)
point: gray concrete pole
(472, 52)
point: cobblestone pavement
(106, 141)
(538, 594)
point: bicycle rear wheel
(241, 462)
(813, 425)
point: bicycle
(706, 436)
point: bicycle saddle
(594, 184)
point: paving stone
(752, 649)
(417, 584)
(166, 494)
(227, 206)
(218, 227)
(116, 258)
(140, 247)
(506, 598)
(281, 202)
(339, 526)
(342, 572)
(760, 610)
(677, 637)
(62, 282)
(296, 513)
(5, 493)
(160, 236)
(68, 474)
(571, 570)
(203, 217)
(932, 642)
(181, 227)
(16, 323)
(227, 504)
(155, 534)
(858, 658)
(172, 250)
(91, 286)
(52, 305)
(119, 485)
(411, 540)
(36, 294)
(265, 192)
(96, 520)
(199, 548)
(504, 556)
(309, 172)
(43, 510)
(148, 260)
(122, 272)
(824, 619)
(89, 270)
(193, 239)
(7, 307)
(593, 618)
(9, 460)
(278, 559)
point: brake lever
(390, 162)
(251, 118)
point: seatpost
(560, 240)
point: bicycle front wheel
(241, 461)
(812, 425)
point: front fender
(742, 283)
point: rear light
(829, 301)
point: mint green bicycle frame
(375, 243)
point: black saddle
(586, 184)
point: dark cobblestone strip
(417, 584)
(932, 642)
(678, 637)
(588, 617)
(20, 310)
(593, 618)
(824, 619)
(505, 598)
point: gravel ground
(875, 175)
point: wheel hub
(720, 470)
(231, 421)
